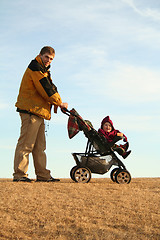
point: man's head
(47, 54)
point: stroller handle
(65, 111)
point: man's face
(47, 58)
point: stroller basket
(96, 164)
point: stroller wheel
(72, 172)
(82, 174)
(122, 176)
(113, 172)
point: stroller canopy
(76, 124)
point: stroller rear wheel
(72, 172)
(122, 176)
(113, 172)
(82, 174)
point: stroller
(98, 157)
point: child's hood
(107, 119)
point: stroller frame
(93, 160)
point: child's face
(107, 127)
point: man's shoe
(51, 179)
(22, 179)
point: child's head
(107, 124)
(107, 127)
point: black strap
(24, 111)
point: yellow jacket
(37, 93)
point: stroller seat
(76, 124)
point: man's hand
(64, 105)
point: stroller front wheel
(82, 175)
(122, 176)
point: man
(36, 96)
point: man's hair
(47, 49)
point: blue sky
(107, 63)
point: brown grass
(66, 210)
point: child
(112, 135)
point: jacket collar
(39, 60)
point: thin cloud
(7, 147)
(3, 106)
(137, 84)
(141, 123)
(145, 11)
(134, 83)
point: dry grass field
(100, 209)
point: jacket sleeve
(45, 88)
(112, 134)
(125, 138)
